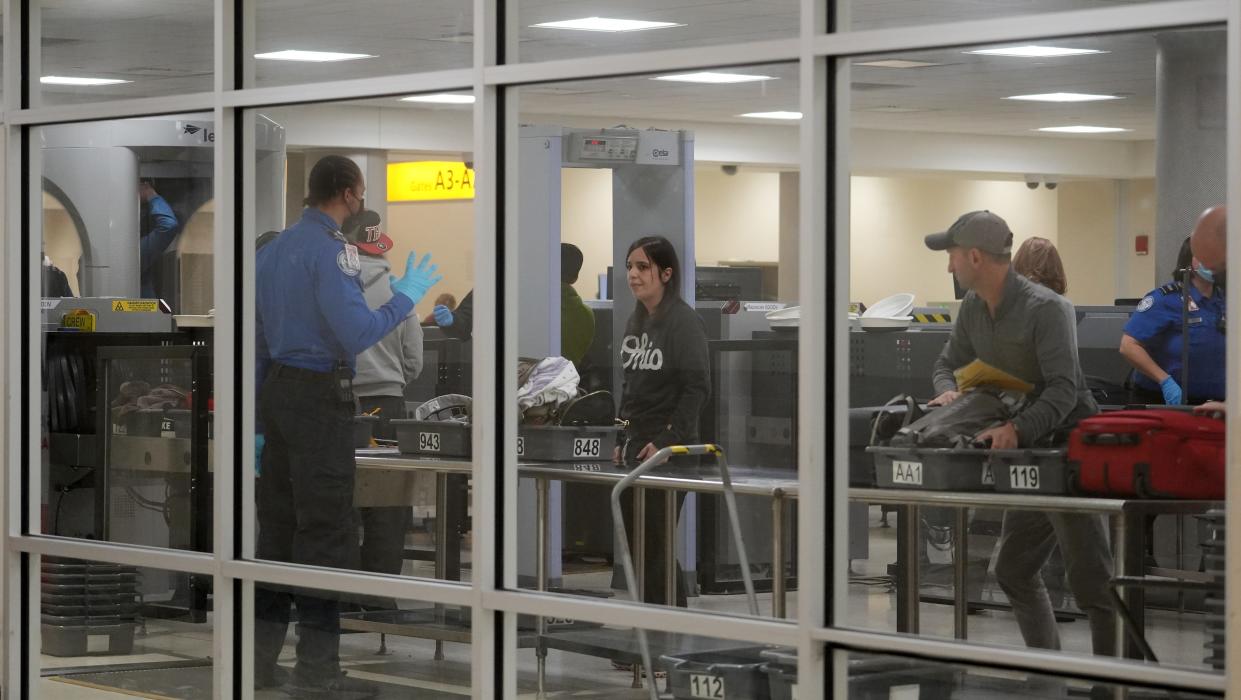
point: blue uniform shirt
(1157, 326)
(311, 311)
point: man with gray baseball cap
(1030, 332)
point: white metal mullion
(1232, 557)
(595, 66)
(379, 585)
(33, 17)
(355, 88)
(117, 109)
(225, 364)
(115, 553)
(483, 658)
(1126, 18)
(651, 617)
(14, 635)
(247, 402)
(1120, 671)
(814, 342)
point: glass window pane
(688, 347)
(854, 15)
(126, 228)
(113, 630)
(304, 42)
(1074, 172)
(547, 30)
(105, 51)
(355, 644)
(348, 479)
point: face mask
(1205, 273)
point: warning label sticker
(136, 305)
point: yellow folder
(979, 373)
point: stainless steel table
(1128, 542)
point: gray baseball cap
(977, 229)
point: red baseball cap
(374, 242)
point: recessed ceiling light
(895, 110)
(79, 82)
(772, 115)
(443, 98)
(897, 63)
(1083, 129)
(1063, 97)
(711, 78)
(310, 56)
(605, 24)
(1035, 51)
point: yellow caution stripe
(933, 318)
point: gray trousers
(1026, 542)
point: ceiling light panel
(310, 56)
(1083, 129)
(1064, 97)
(714, 78)
(79, 81)
(605, 24)
(790, 116)
(443, 98)
(1034, 51)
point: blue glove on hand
(417, 280)
(1172, 395)
(443, 316)
(259, 442)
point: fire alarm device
(1142, 244)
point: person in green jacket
(577, 321)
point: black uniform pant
(305, 515)
(384, 527)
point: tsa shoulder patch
(1146, 303)
(347, 260)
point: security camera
(1032, 182)
(728, 169)
(1050, 185)
(1032, 185)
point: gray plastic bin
(728, 674)
(363, 430)
(781, 668)
(433, 438)
(933, 468)
(107, 640)
(566, 444)
(1031, 471)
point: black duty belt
(288, 372)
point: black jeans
(305, 516)
(384, 527)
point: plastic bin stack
(88, 609)
(1214, 564)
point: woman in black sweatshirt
(667, 382)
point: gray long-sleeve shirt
(1033, 336)
(387, 366)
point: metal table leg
(779, 592)
(639, 557)
(542, 496)
(1120, 567)
(1134, 551)
(907, 576)
(960, 575)
(670, 548)
(442, 529)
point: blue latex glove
(259, 442)
(443, 316)
(417, 280)
(1172, 395)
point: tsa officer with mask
(312, 321)
(1154, 336)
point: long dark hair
(663, 255)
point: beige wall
(586, 222)
(443, 229)
(1140, 215)
(61, 242)
(890, 216)
(1087, 241)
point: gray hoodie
(387, 366)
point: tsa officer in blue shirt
(163, 228)
(312, 321)
(1152, 340)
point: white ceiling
(164, 47)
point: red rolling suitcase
(1148, 454)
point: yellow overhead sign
(429, 181)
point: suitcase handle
(1111, 439)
